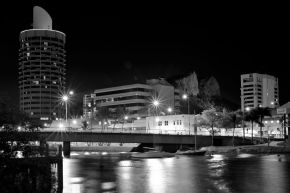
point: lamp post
(65, 99)
(185, 97)
(169, 110)
(243, 121)
(156, 103)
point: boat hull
(191, 152)
(152, 155)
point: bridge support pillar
(42, 147)
(66, 148)
(158, 147)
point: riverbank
(97, 148)
(272, 148)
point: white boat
(190, 152)
(152, 154)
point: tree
(119, 114)
(252, 116)
(231, 119)
(189, 84)
(212, 118)
(102, 114)
(10, 119)
(261, 112)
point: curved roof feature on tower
(41, 19)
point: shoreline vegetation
(272, 148)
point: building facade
(171, 124)
(135, 100)
(259, 90)
(41, 67)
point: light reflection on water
(118, 173)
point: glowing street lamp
(169, 109)
(65, 99)
(156, 103)
(185, 97)
(74, 122)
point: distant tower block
(41, 67)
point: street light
(243, 121)
(185, 97)
(65, 99)
(169, 109)
(156, 103)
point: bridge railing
(200, 131)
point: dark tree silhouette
(261, 112)
(252, 116)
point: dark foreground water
(182, 174)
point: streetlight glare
(126, 117)
(247, 108)
(64, 97)
(155, 103)
(74, 122)
(169, 109)
(184, 96)
(71, 92)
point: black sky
(110, 47)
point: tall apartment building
(41, 67)
(134, 98)
(259, 90)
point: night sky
(114, 46)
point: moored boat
(190, 152)
(152, 154)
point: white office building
(134, 99)
(259, 90)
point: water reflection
(118, 173)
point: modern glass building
(41, 67)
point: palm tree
(252, 116)
(234, 118)
(261, 112)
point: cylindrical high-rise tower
(41, 67)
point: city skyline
(102, 51)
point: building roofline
(108, 89)
(42, 30)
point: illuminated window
(28, 54)
(35, 82)
(53, 82)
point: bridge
(112, 137)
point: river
(95, 172)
